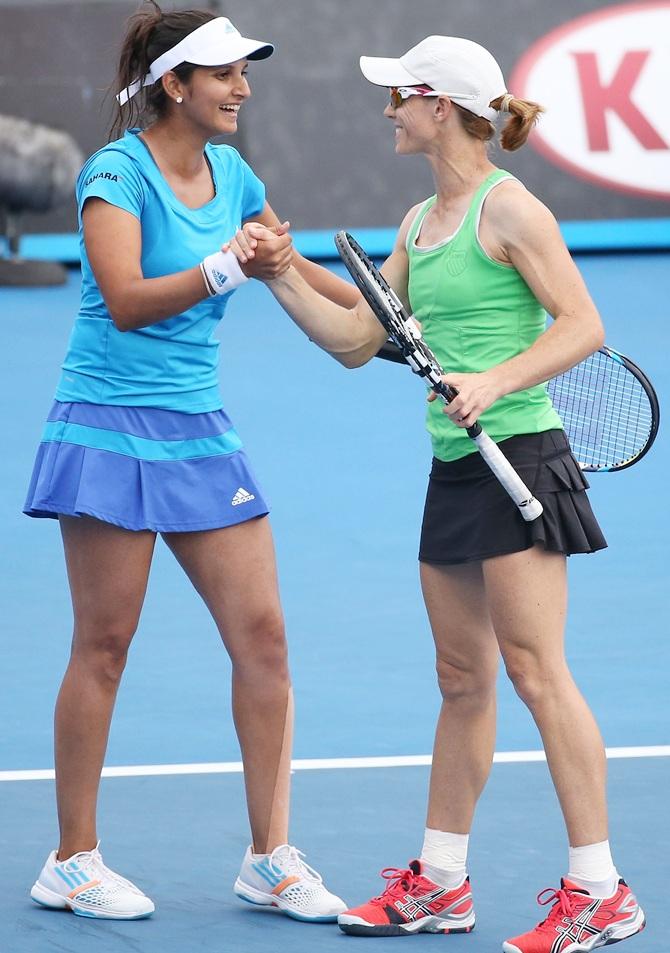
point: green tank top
(476, 313)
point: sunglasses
(399, 94)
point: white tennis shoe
(83, 884)
(282, 879)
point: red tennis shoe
(410, 904)
(579, 923)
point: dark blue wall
(313, 129)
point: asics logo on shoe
(429, 904)
(578, 928)
(414, 905)
(242, 496)
(579, 922)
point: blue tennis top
(173, 364)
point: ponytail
(149, 34)
(523, 116)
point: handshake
(262, 252)
(255, 251)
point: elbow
(355, 358)
(590, 335)
(122, 318)
(351, 361)
(596, 337)
(599, 337)
(120, 321)
(124, 306)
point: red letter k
(616, 96)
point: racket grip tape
(529, 507)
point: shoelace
(291, 862)
(401, 880)
(91, 861)
(563, 905)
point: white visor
(215, 43)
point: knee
(264, 653)
(104, 652)
(464, 685)
(534, 679)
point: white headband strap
(215, 43)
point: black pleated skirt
(468, 516)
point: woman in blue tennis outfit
(138, 443)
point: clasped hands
(264, 253)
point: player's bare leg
(108, 568)
(234, 571)
(527, 597)
(467, 661)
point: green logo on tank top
(456, 263)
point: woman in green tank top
(479, 263)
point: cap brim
(383, 71)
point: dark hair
(149, 34)
(523, 116)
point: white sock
(443, 856)
(592, 868)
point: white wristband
(222, 273)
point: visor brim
(245, 50)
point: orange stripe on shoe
(284, 884)
(74, 893)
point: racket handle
(529, 507)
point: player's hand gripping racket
(608, 406)
(405, 335)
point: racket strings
(605, 411)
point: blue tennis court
(343, 458)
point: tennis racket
(406, 336)
(608, 406)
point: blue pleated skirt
(143, 468)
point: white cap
(462, 70)
(215, 43)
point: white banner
(604, 80)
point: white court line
(320, 764)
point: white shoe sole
(55, 901)
(261, 899)
(355, 926)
